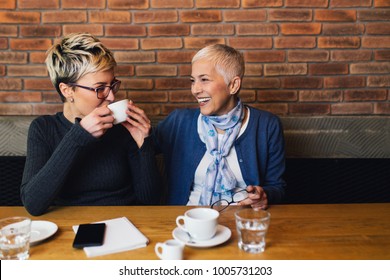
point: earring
(71, 100)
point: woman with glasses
(78, 157)
(214, 152)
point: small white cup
(199, 223)
(118, 110)
(169, 250)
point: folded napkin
(121, 235)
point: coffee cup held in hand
(118, 110)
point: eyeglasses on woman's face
(102, 91)
(237, 197)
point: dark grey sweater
(65, 165)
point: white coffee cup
(118, 110)
(169, 250)
(199, 223)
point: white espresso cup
(199, 223)
(169, 250)
(118, 110)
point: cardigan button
(240, 160)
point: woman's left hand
(138, 124)
(257, 198)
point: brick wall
(303, 57)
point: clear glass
(15, 238)
(103, 91)
(237, 196)
(252, 226)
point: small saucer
(223, 234)
(41, 230)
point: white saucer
(223, 234)
(41, 230)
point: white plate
(41, 230)
(223, 234)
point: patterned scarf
(219, 178)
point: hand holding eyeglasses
(257, 198)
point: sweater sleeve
(47, 167)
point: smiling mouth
(203, 100)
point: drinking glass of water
(15, 238)
(252, 226)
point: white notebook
(121, 235)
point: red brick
(309, 109)
(257, 29)
(124, 70)
(295, 42)
(15, 109)
(145, 96)
(175, 56)
(300, 28)
(46, 109)
(328, 69)
(374, 15)
(20, 17)
(352, 108)
(13, 57)
(382, 108)
(245, 15)
(175, 30)
(37, 57)
(261, 3)
(277, 95)
(156, 70)
(382, 55)
(378, 28)
(167, 109)
(342, 29)
(38, 84)
(125, 30)
(307, 3)
(198, 43)
(382, 3)
(264, 83)
(350, 3)
(26, 70)
(120, 43)
(275, 108)
(344, 82)
(8, 4)
(161, 43)
(3, 43)
(128, 5)
(64, 16)
(320, 95)
(137, 83)
(134, 57)
(30, 44)
(290, 15)
(2, 70)
(84, 4)
(173, 83)
(247, 96)
(376, 42)
(212, 29)
(185, 70)
(95, 29)
(181, 96)
(177, 4)
(370, 68)
(308, 56)
(38, 4)
(40, 31)
(285, 69)
(151, 109)
(226, 4)
(339, 42)
(253, 69)
(264, 56)
(51, 97)
(365, 95)
(109, 17)
(8, 30)
(201, 16)
(378, 81)
(20, 97)
(10, 84)
(335, 15)
(251, 42)
(302, 82)
(156, 16)
(347, 55)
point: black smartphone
(89, 235)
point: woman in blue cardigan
(223, 147)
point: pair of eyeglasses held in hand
(237, 197)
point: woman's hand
(257, 198)
(98, 121)
(138, 124)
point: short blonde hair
(227, 61)
(75, 56)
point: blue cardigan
(260, 152)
